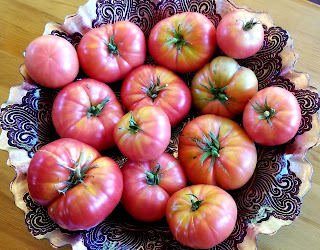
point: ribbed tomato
(147, 186)
(183, 42)
(222, 87)
(87, 110)
(110, 52)
(272, 117)
(216, 150)
(143, 134)
(79, 187)
(201, 216)
(158, 86)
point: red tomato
(110, 52)
(223, 87)
(147, 186)
(201, 216)
(183, 42)
(51, 61)
(87, 110)
(272, 117)
(143, 134)
(158, 86)
(216, 150)
(240, 34)
(78, 186)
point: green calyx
(211, 147)
(266, 113)
(133, 125)
(250, 24)
(177, 38)
(76, 175)
(112, 47)
(154, 88)
(153, 177)
(195, 204)
(218, 94)
(97, 109)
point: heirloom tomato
(79, 187)
(222, 87)
(147, 186)
(110, 52)
(51, 61)
(201, 216)
(143, 134)
(240, 34)
(158, 86)
(183, 42)
(216, 150)
(87, 110)
(272, 117)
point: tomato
(143, 134)
(79, 187)
(240, 34)
(110, 52)
(87, 110)
(216, 150)
(51, 61)
(183, 42)
(147, 186)
(222, 87)
(158, 86)
(201, 216)
(272, 117)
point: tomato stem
(266, 113)
(195, 204)
(153, 177)
(112, 47)
(218, 93)
(76, 175)
(154, 88)
(177, 39)
(211, 147)
(96, 110)
(250, 24)
(133, 125)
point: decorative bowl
(273, 196)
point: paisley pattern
(37, 225)
(20, 120)
(40, 225)
(273, 189)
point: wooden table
(23, 20)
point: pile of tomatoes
(80, 187)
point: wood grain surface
(21, 21)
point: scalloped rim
(250, 239)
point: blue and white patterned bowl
(271, 199)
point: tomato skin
(174, 99)
(210, 224)
(233, 40)
(240, 82)
(148, 202)
(99, 63)
(51, 61)
(150, 140)
(70, 113)
(285, 123)
(81, 207)
(237, 153)
(197, 31)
